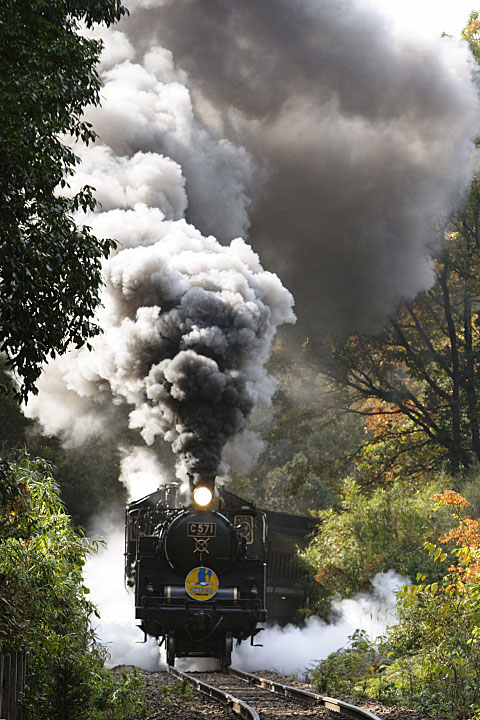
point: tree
(44, 605)
(88, 476)
(371, 533)
(308, 439)
(419, 378)
(49, 267)
(423, 369)
(430, 658)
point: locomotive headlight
(202, 496)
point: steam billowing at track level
(366, 137)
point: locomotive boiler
(198, 569)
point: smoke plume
(366, 139)
(187, 322)
(187, 325)
(343, 144)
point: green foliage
(120, 696)
(294, 487)
(170, 693)
(343, 669)
(433, 665)
(44, 604)
(309, 439)
(470, 488)
(14, 499)
(50, 268)
(430, 659)
(76, 685)
(427, 661)
(371, 533)
(12, 420)
(88, 476)
(471, 33)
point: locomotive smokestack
(170, 494)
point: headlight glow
(202, 496)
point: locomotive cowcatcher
(198, 569)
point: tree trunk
(455, 451)
(469, 383)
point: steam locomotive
(199, 569)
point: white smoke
(292, 650)
(116, 629)
(242, 452)
(141, 471)
(187, 322)
(188, 326)
(287, 650)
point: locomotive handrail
(238, 706)
(294, 693)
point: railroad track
(256, 698)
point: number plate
(202, 529)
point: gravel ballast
(166, 700)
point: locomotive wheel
(171, 649)
(226, 659)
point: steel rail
(238, 706)
(293, 693)
(241, 708)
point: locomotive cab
(198, 570)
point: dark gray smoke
(187, 322)
(188, 325)
(366, 137)
(338, 144)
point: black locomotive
(199, 568)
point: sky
(431, 17)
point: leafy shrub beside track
(429, 660)
(371, 533)
(44, 605)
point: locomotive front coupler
(201, 620)
(208, 630)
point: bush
(373, 533)
(343, 669)
(44, 605)
(429, 660)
